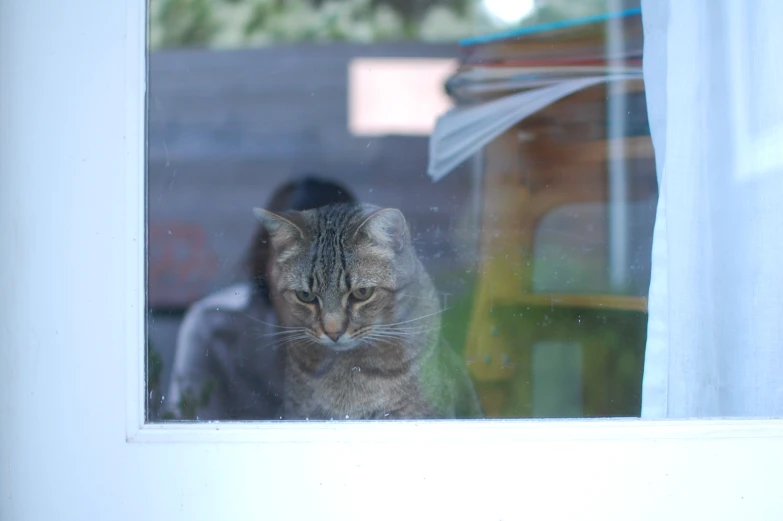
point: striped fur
(351, 358)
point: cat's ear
(386, 227)
(283, 230)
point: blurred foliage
(187, 23)
(611, 342)
(243, 23)
(192, 400)
(154, 375)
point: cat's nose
(335, 336)
(334, 326)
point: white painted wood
(473, 433)
(72, 441)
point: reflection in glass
(541, 280)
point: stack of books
(546, 54)
(504, 78)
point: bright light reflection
(509, 11)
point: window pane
(502, 268)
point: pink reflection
(397, 95)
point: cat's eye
(305, 296)
(362, 293)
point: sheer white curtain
(714, 78)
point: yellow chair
(529, 171)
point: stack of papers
(504, 78)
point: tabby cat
(360, 319)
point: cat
(360, 319)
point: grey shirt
(226, 366)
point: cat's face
(338, 272)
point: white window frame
(62, 447)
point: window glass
(485, 188)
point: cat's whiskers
(419, 327)
(370, 340)
(393, 331)
(396, 330)
(392, 334)
(299, 334)
(282, 333)
(398, 334)
(283, 341)
(394, 326)
(276, 326)
(416, 297)
(417, 318)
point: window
(537, 237)
(535, 223)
